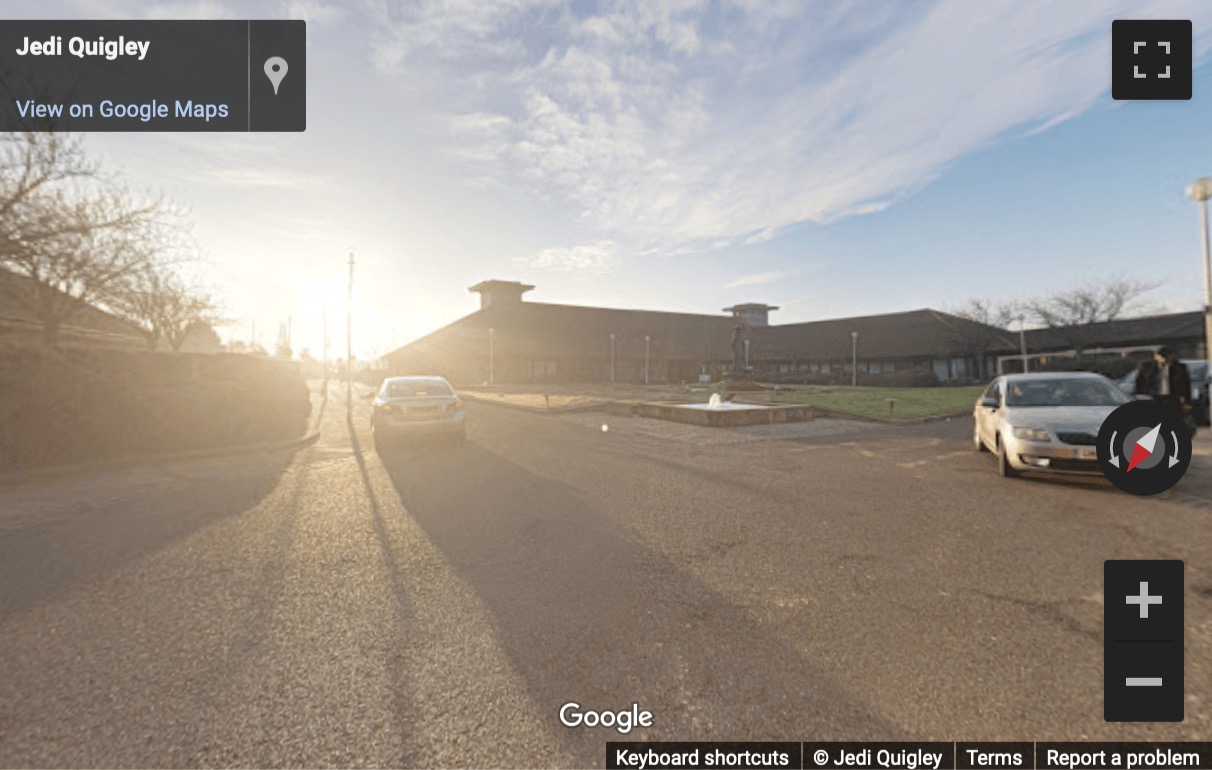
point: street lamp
(853, 359)
(1200, 191)
(1022, 341)
(612, 356)
(647, 348)
(349, 337)
(492, 355)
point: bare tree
(66, 231)
(71, 246)
(983, 326)
(1072, 312)
(989, 312)
(161, 304)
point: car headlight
(1032, 434)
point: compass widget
(1144, 447)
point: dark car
(1199, 389)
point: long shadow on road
(87, 534)
(585, 612)
(399, 589)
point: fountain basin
(726, 414)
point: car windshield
(1063, 392)
(417, 389)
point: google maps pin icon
(275, 70)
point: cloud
(587, 257)
(267, 177)
(694, 122)
(191, 9)
(757, 279)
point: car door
(986, 420)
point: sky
(832, 158)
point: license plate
(1086, 453)
(424, 411)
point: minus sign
(1143, 681)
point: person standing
(1167, 380)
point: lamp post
(349, 337)
(647, 349)
(612, 357)
(1199, 191)
(853, 359)
(492, 355)
(1022, 341)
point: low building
(1128, 338)
(87, 325)
(512, 340)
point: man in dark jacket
(1166, 379)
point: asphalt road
(436, 607)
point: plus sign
(1144, 600)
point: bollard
(891, 404)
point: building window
(542, 367)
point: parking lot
(438, 605)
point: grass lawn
(873, 402)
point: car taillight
(386, 408)
(457, 405)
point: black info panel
(153, 75)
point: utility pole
(1200, 191)
(853, 359)
(1022, 343)
(324, 360)
(647, 349)
(349, 336)
(612, 357)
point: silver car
(416, 406)
(1044, 422)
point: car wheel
(1004, 468)
(977, 444)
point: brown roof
(16, 293)
(1127, 332)
(541, 329)
(912, 334)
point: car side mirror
(990, 403)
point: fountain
(717, 403)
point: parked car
(1044, 422)
(416, 406)
(1199, 389)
